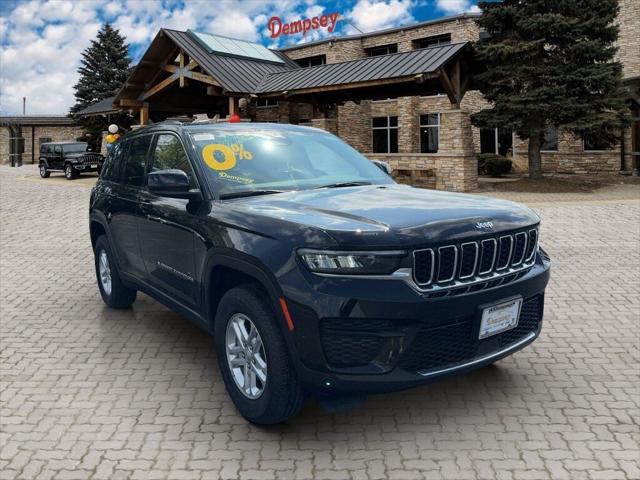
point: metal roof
(394, 65)
(49, 120)
(236, 75)
(99, 108)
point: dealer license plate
(500, 317)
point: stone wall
(629, 37)
(55, 133)
(450, 172)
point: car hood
(383, 215)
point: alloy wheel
(246, 356)
(105, 271)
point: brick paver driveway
(94, 393)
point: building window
(312, 61)
(592, 143)
(496, 140)
(550, 140)
(429, 132)
(385, 134)
(433, 41)
(381, 50)
(266, 102)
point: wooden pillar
(144, 114)
(233, 106)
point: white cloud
(452, 7)
(369, 15)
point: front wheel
(44, 173)
(253, 358)
(114, 293)
(69, 172)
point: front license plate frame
(499, 317)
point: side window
(169, 153)
(136, 160)
(57, 149)
(112, 164)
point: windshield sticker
(236, 178)
(227, 155)
(200, 137)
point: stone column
(456, 155)
(328, 124)
(408, 125)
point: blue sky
(41, 40)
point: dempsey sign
(277, 27)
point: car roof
(213, 125)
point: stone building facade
(451, 161)
(35, 130)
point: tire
(115, 294)
(44, 173)
(282, 396)
(70, 173)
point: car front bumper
(348, 340)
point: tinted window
(75, 148)
(57, 149)
(550, 140)
(169, 153)
(113, 163)
(136, 160)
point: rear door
(167, 238)
(55, 158)
(124, 209)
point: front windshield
(257, 158)
(74, 148)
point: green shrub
(492, 164)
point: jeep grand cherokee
(315, 272)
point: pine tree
(550, 63)
(104, 69)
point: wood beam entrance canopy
(178, 70)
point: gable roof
(98, 108)
(236, 75)
(394, 65)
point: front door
(124, 209)
(166, 227)
(56, 158)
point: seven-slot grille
(469, 261)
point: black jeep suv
(72, 158)
(314, 271)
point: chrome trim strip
(433, 265)
(475, 260)
(477, 360)
(524, 250)
(510, 237)
(495, 252)
(455, 263)
(535, 244)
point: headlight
(351, 263)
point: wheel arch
(226, 270)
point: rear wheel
(44, 173)
(114, 293)
(253, 358)
(69, 172)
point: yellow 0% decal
(229, 155)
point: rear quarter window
(112, 168)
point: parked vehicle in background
(72, 158)
(314, 270)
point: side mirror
(384, 166)
(171, 183)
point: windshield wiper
(248, 193)
(344, 184)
